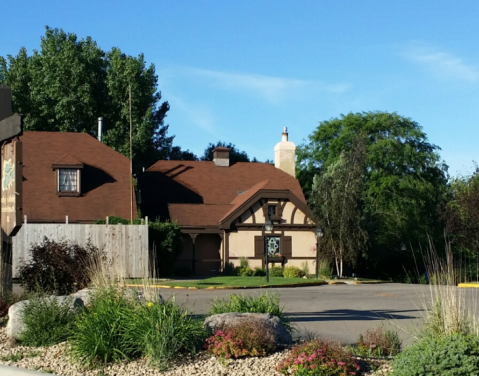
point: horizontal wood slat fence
(129, 242)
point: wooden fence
(127, 243)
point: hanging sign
(11, 187)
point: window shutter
(286, 247)
(259, 247)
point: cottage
(222, 209)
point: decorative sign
(272, 246)
(11, 187)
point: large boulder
(224, 321)
(15, 323)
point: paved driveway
(339, 312)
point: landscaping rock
(85, 295)
(15, 323)
(226, 320)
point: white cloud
(270, 88)
(197, 114)
(442, 64)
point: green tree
(404, 180)
(463, 212)
(336, 203)
(235, 154)
(69, 83)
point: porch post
(193, 238)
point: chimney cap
(285, 129)
(220, 148)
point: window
(273, 246)
(271, 211)
(67, 180)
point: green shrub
(325, 269)
(451, 355)
(48, 321)
(318, 358)
(104, 332)
(244, 262)
(246, 339)
(165, 241)
(245, 272)
(229, 269)
(57, 267)
(166, 330)
(115, 328)
(378, 342)
(265, 303)
(276, 271)
(293, 272)
(259, 272)
(305, 267)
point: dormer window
(68, 179)
(67, 176)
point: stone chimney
(221, 156)
(5, 102)
(284, 155)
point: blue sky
(239, 71)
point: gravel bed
(55, 359)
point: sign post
(11, 181)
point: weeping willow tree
(336, 203)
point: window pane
(272, 245)
(67, 180)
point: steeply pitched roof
(192, 182)
(197, 214)
(105, 178)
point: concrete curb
(306, 284)
(369, 282)
(15, 371)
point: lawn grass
(238, 282)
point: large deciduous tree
(69, 83)
(404, 179)
(336, 203)
(463, 212)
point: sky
(240, 71)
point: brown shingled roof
(105, 178)
(193, 182)
(197, 214)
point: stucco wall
(241, 243)
(303, 243)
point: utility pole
(131, 163)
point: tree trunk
(337, 265)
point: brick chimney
(5, 102)
(221, 156)
(285, 154)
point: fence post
(66, 219)
(107, 219)
(146, 220)
(25, 219)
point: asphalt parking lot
(339, 312)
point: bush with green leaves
(57, 268)
(115, 328)
(259, 272)
(103, 333)
(378, 342)
(245, 272)
(166, 330)
(249, 338)
(451, 355)
(325, 270)
(48, 320)
(318, 358)
(276, 271)
(293, 272)
(229, 269)
(264, 303)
